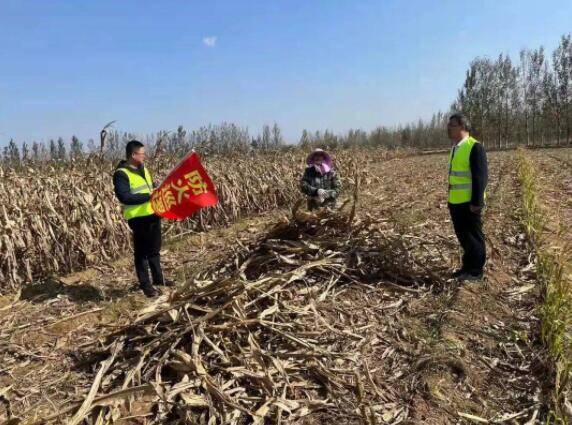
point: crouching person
(320, 182)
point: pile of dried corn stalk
(261, 337)
(60, 217)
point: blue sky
(69, 67)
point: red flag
(187, 189)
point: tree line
(508, 103)
(227, 138)
(222, 138)
(524, 103)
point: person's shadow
(78, 293)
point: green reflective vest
(138, 184)
(460, 180)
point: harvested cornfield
(291, 317)
(236, 344)
(61, 217)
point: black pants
(469, 229)
(147, 247)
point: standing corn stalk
(71, 221)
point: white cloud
(210, 41)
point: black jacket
(121, 186)
(479, 174)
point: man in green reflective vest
(468, 177)
(133, 187)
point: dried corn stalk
(59, 217)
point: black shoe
(458, 273)
(472, 277)
(167, 282)
(150, 291)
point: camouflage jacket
(312, 181)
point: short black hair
(132, 146)
(461, 120)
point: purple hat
(327, 158)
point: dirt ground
(444, 354)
